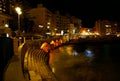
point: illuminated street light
(19, 12)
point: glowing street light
(19, 12)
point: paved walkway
(14, 70)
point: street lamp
(19, 12)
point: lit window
(7, 35)
(107, 25)
(4, 10)
(48, 27)
(48, 23)
(115, 24)
(6, 25)
(40, 26)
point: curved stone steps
(38, 62)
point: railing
(34, 59)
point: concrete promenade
(14, 70)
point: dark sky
(87, 10)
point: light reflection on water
(88, 53)
(94, 62)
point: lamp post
(19, 12)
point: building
(61, 22)
(47, 22)
(5, 17)
(5, 6)
(76, 21)
(105, 27)
(42, 18)
(64, 22)
(6, 9)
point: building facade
(105, 27)
(51, 23)
(5, 11)
(42, 18)
(61, 22)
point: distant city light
(40, 26)
(74, 31)
(55, 28)
(62, 32)
(48, 27)
(107, 25)
(6, 25)
(88, 30)
(48, 33)
(48, 23)
(7, 35)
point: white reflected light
(88, 53)
(75, 53)
(53, 69)
(69, 50)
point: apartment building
(5, 8)
(42, 18)
(105, 27)
(46, 21)
(63, 23)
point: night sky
(87, 10)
